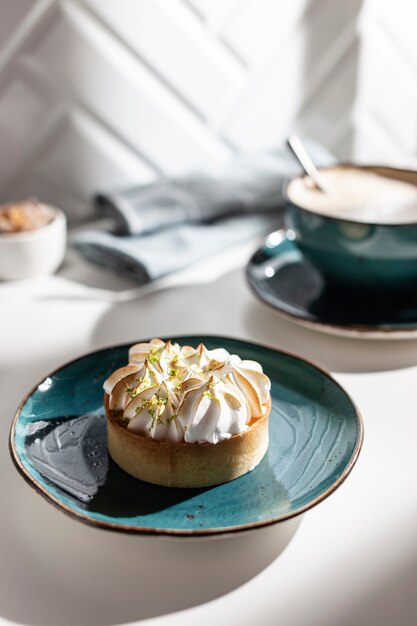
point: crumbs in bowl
(23, 216)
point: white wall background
(102, 93)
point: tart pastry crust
(181, 464)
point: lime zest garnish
(155, 407)
(209, 394)
(154, 356)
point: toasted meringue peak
(176, 393)
(213, 411)
(153, 415)
(120, 374)
(254, 385)
(139, 352)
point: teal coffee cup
(361, 233)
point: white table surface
(350, 561)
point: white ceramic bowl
(34, 252)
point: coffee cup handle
(278, 250)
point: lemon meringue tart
(187, 417)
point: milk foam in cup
(362, 233)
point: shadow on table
(228, 307)
(60, 572)
(56, 571)
(378, 590)
(338, 354)
(394, 602)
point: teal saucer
(58, 444)
(281, 277)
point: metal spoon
(301, 154)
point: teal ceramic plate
(280, 276)
(58, 443)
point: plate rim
(357, 331)
(196, 532)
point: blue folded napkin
(170, 224)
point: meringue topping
(174, 393)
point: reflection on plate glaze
(58, 442)
(71, 453)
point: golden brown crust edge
(180, 464)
